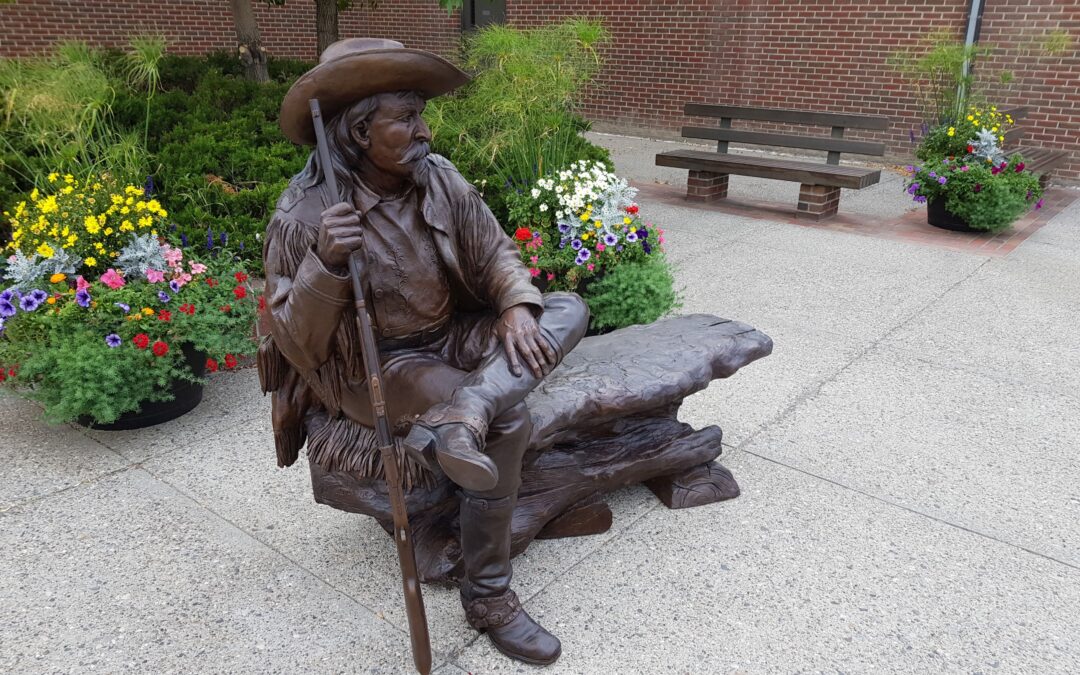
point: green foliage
(632, 293)
(953, 138)
(986, 195)
(516, 120)
(57, 352)
(935, 70)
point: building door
(479, 13)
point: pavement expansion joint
(918, 512)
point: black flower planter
(938, 216)
(186, 395)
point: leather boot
(490, 606)
(453, 433)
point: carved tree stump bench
(605, 419)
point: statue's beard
(415, 153)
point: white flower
(560, 214)
(543, 207)
(535, 193)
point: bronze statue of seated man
(463, 334)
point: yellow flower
(626, 221)
(952, 131)
(994, 129)
(91, 261)
(45, 251)
(68, 190)
(91, 225)
(146, 221)
(99, 247)
(153, 206)
(53, 176)
(126, 226)
(51, 300)
(71, 240)
(57, 278)
(69, 179)
(129, 201)
(971, 118)
(125, 211)
(1001, 139)
(994, 108)
(584, 216)
(34, 195)
(585, 236)
(147, 311)
(48, 205)
(108, 231)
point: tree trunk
(326, 23)
(248, 43)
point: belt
(413, 340)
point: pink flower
(965, 167)
(534, 259)
(155, 276)
(533, 271)
(197, 268)
(81, 284)
(551, 276)
(112, 279)
(590, 267)
(173, 256)
(182, 278)
(600, 248)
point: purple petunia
(564, 228)
(126, 308)
(576, 244)
(7, 309)
(942, 180)
(163, 296)
(113, 340)
(174, 286)
(913, 189)
(610, 239)
(933, 175)
(632, 237)
(920, 199)
(31, 301)
(645, 247)
(83, 298)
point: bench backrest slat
(849, 121)
(784, 140)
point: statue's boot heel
(456, 449)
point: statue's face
(397, 136)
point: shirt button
(378, 293)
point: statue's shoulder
(300, 202)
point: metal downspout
(974, 26)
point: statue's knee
(566, 316)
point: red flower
(3, 375)
(978, 187)
(262, 302)
(1019, 167)
(211, 282)
(240, 292)
(188, 309)
(12, 372)
(632, 209)
(230, 361)
(211, 365)
(226, 308)
(142, 340)
(160, 348)
(164, 315)
(523, 234)
(240, 277)
(971, 149)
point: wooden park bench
(819, 196)
(1038, 160)
(606, 418)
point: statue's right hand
(340, 234)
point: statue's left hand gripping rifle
(414, 601)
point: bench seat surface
(810, 173)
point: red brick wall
(819, 54)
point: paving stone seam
(909, 509)
(89, 481)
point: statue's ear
(361, 134)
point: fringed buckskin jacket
(313, 348)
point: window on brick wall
(479, 13)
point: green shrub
(632, 293)
(517, 119)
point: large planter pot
(938, 216)
(186, 395)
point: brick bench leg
(706, 186)
(817, 202)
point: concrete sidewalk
(907, 457)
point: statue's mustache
(416, 152)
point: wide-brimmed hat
(353, 69)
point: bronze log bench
(819, 194)
(605, 419)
